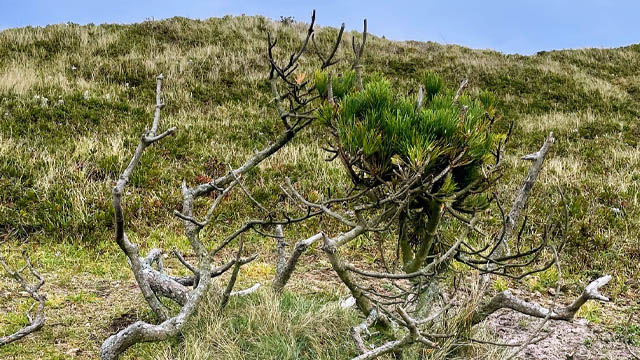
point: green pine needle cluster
(340, 85)
(389, 130)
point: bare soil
(577, 340)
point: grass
(630, 333)
(264, 326)
(59, 157)
(591, 311)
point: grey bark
(507, 300)
(524, 193)
(285, 266)
(358, 50)
(131, 250)
(140, 331)
(35, 323)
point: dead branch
(633, 354)
(384, 349)
(550, 311)
(322, 207)
(129, 248)
(143, 273)
(294, 120)
(626, 345)
(356, 331)
(420, 97)
(285, 266)
(461, 88)
(245, 292)
(215, 272)
(507, 300)
(184, 262)
(330, 248)
(37, 322)
(328, 60)
(525, 191)
(141, 331)
(252, 162)
(234, 276)
(358, 50)
(414, 335)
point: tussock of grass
(264, 326)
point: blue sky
(515, 26)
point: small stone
(348, 302)
(551, 291)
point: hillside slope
(74, 99)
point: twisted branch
(37, 322)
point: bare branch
(461, 88)
(246, 192)
(356, 331)
(322, 207)
(633, 354)
(184, 262)
(37, 322)
(130, 249)
(296, 56)
(245, 292)
(506, 299)
(223, 268)
(190, 219)
(420, 97)
(234, 276)
(330, 248)
(252, 162)
(540, 326)
(140, 331)
(166, 286)
(524, 193)
(328, 61)
(285, 267)
(358, 50)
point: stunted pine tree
(433, 148)
(414, 161)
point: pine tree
(388, 141)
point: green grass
(267, 326)
(264, 326)
(60, 157)
(630, 333)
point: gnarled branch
(507, 300)
(37, 322)
(130, 249)
(285, 266)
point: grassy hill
(74, 99)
